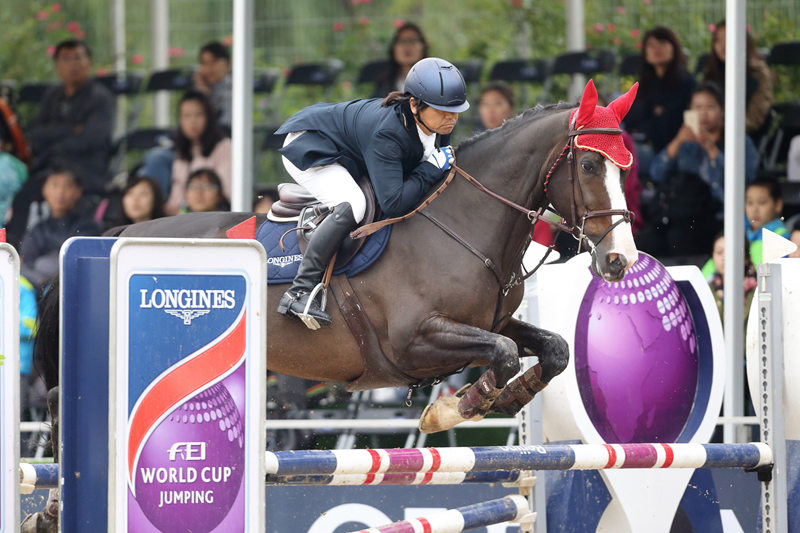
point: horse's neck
(511, 167)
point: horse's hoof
(442, 415)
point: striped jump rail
(512, 507)
(493, 458)
(398, 478)
(45, 476)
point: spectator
(496, 105)
(141, 201)
(75, 119)
(27, 333)
(759, 79)
(204, 192)
(793, 160)
(213, 79)
(794, 236)
(665, 88)
(716, 276)
(690, 171)
(199, 143)
(73, 125)
(763, 206)
(62, 190)
(408, 46)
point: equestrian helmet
(439, 84)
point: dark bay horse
(435, 305)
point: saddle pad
(282, 265)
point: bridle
(575, 229)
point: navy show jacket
(365, 138)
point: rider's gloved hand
(442, 158)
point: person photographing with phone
(690, 175)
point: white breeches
(330, 184)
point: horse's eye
(587, 166)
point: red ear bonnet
(589, 116)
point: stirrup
(311, 322)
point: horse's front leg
(441, 342)
(553, 353)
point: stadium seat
(471, 69)
(33, 92)
(321, 74)
(524, 72)
(371, 72)
(173, 79)
(629, 66)
(589, 63)
(784, 60)
(121, 84)
(264, 81)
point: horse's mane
(514, 123)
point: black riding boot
(324, 242)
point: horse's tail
(45, 347)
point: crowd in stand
(674, 129)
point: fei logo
(187, 304)
(188, 451)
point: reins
(576, 229)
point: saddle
(296, 204)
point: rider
(393, 141)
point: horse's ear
(621, 105)
(588, 103)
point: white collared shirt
(428, 143)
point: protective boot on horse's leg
(300, 300)
(443, 340)
(553, 353)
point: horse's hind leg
(444, 343)
(553, 353)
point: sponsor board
(9, 389)
(187, 404)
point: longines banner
(188, 395)
(9, 389)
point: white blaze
(621, 236)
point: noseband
(576, 229)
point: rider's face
(441, 122)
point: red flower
(73, 26)
(42, 15)
(100, 71)
(228, 41)
(398, 23)
(616, 40)
(635, 33)
(51, 50)
(363, 21)
(621, 10)
(639, 45)
(516, 3)
(175, 51)
(338, 26)
(712, 28)
(54, 25)
(138, 59)
(646, 2)
(611, 27)
(56, 7)
(80, 34)
(599, 28)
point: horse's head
(596, 164)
